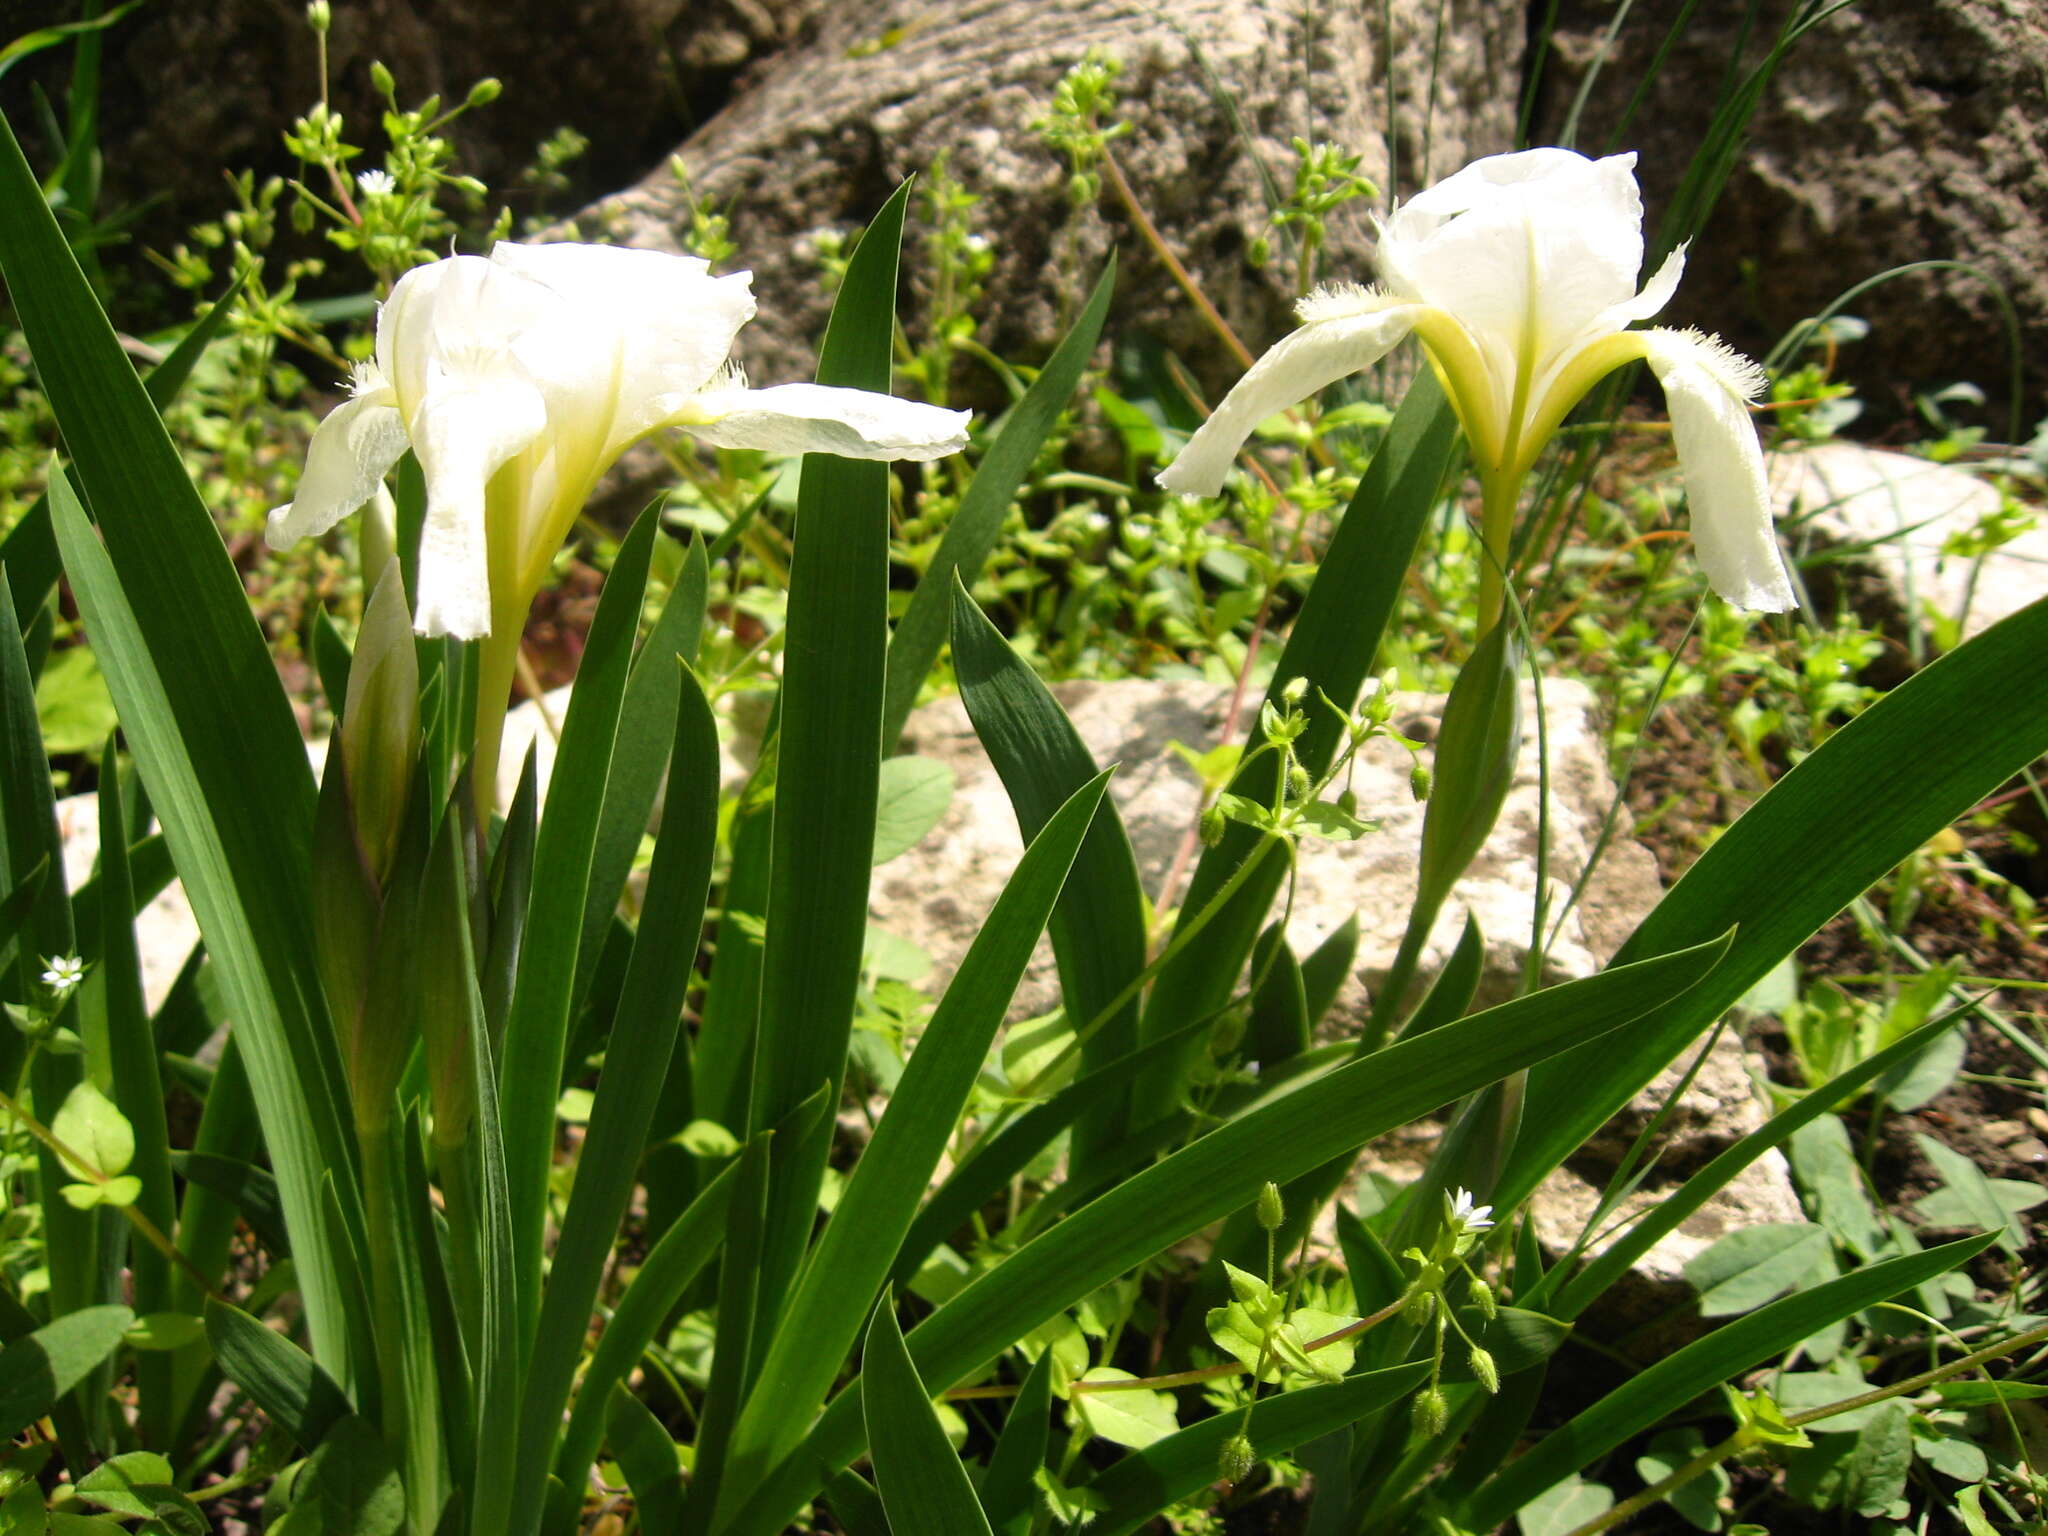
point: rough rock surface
(1896, 132)
(1889, 514)
(828, 128)
(190, 90)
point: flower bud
(319, 16)
(1298, 783)
(1484, 1369)
(1347, 802)
(485, 91)
(1235, 1463)
(1432, 1412)
(1419, 781)
(1214, 823)
(1295, 690)
(380, 78)
(1416, 1309)
(1482, 1298)
(1259, 252)
(1271, 1212)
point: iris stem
(1499, 491)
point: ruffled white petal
(1338, 339)
(1707, 387)
(464, 433)
(646, 329)
(351, 452)
(815, 418)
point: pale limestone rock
(1889, 514)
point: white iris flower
(519, 378)
(1518, 274)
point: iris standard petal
(646, 329)
(1343, 331)
(463, 434)
(1707, 388)
(815, 418)
(351, 452)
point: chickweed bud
(485, 91)
(1419, 781)
(1259, 252)
(1235, 1463)
(1416, 1309)
(1213, 824)
(1295, 690)
(1482, 1298)
(319, 15)
(1484, 1368)
(1432, 1412)
(380, 79)
(1270, 1210)
(1298, 783)
(1347, 802)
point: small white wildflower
(63, 973)
(1462, 1213)
(376, 183)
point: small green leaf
(1970, 1199)
(1748, 1267)
(915, 792)
(1324, 819)
(348, 1488)
(707, 1138)
(40, 1368)
(133, 1484)
(91, 1127)
(72, 703)
(1136, 1417)
(1982, 1394)
(1564, 1508)
(1069, 1506)
(1699, 1500)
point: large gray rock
(1887, 517)
(825, 131)
(1895, 132)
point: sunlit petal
(1343, 331)
(351, 452)
(463, 434)
(814, 418)
(1707, 387)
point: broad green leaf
(977, 523)
(1677, 1379)
(637, 1062)
(537, 1031)
(348, 1488)
(828, 759)
(647, 1455)
(1969, 1198)
(37, 1370)
(1751, 1265)
(130, 1484)
(1332, 644)
(282, 1379)
(1098, 928)
(1224, 1171)
(915, 792)
(1865, 798)
(1135, 1418)
(851, 1260)
(923, 1485)
(1178, 1466)
(213, 734)
(1824, 1162)
(1698, 1500)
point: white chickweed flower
(1460, 1211)
(376, 183)
(63, 973)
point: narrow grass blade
(1868, 796)
(647, 1455)
(647, 727)
(1009, 1495)
(850, 1262)
(39, 1369)
(972, 534)
(1145, 1482)
(681, 1255)
(537, 1031)
(924, 1487)
(732, 1359)
(1224, 1171)
(829, 751)
(280, 1378)
(636, 1062)
(1332, 645)
(1676, 1380)
(1098, 928)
